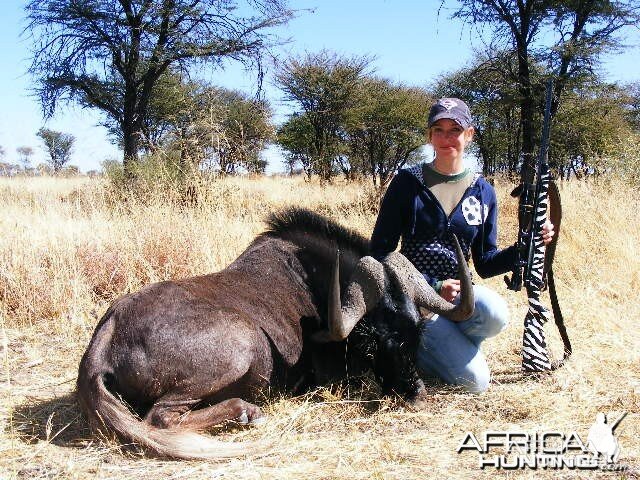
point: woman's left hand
(547, 232)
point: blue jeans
(451, 350)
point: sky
(412, 41)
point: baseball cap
(453, 109)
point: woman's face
(449, 139)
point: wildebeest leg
(166, 414)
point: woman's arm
(395, 211)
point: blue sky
(410, 41)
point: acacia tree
(212, 127)
(323, 87)
(58, 146)
(109, 54)
(386, 128)
(632, 104)
(24, 155)
(570, 33)
(589, 128)
(246, 127)
(595, 130)
(296, 137)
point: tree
(58, 146)
(386, 128)
(323, 87)
(110, 54)
(589, 129)
(296, 137)
(223, 128)
(594, 130)
(24, 155)
(246, 127)
(633, 104)
(575, 32)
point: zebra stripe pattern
(535, 357)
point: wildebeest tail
(106, 412)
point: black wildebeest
(189, 354)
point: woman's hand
(547, 232)
(450, 289)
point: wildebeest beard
(388, 338)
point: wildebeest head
(384, 299)
(395, 285)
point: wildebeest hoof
(419, 402)
(243, 418)
(250, 414)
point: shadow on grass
(59, 421)
(514, 376)
(56, 420)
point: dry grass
(66, 251)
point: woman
(424, 204)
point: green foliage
(386, 128)
(216, 129)
(110, 55)
(296, 137)
(490, 88)
(568, 34)
(632, 104)
(349, 120)
(589, 132)
(323, 87)
(245, 128)
(58, 146)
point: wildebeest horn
(366, 287)
(363, 292)
(416, 287)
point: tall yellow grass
(67, 249)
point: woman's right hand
(450, 289)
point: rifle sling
(555, 216)
(558, 318)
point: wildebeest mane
(292, 220)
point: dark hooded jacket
(410, 211)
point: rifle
(533, 265)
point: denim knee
(496, 318)
(475, 377)
(490, 316)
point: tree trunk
(131, 130)
(527, 108)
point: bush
(155, 177)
